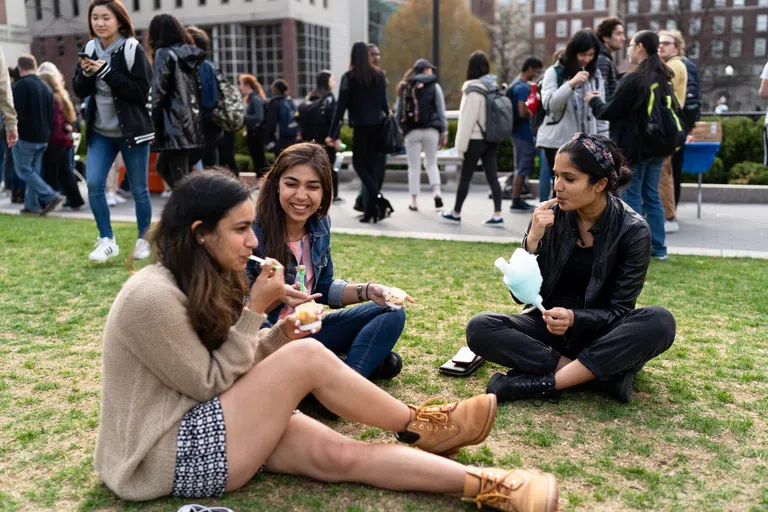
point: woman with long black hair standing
(117, 119)
(316, 118)
(363, 92)
(254, 98)
(175, 98)
(628, 116)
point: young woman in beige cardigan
(197, 398)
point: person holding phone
(593, 251)
(116, 75)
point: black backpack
(418, 103)
(312, 118)
(664, 133)
(541, 113)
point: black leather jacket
(176, 98)
(622, 242)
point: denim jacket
(322, 265)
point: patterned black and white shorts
(201, 454)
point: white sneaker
(105, 248)
(119, 199)
(142, 250)
(671, 226)
(111, 198)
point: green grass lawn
(695, 437)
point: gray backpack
(499, 118)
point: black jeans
(57, 174)
(524, 343)
(487, 152)
(227, 152)
(174, 164)
(366, 157)
(212, 135)
(677, 173)
(255, 142)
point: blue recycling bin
(698, 158)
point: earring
(200, 240)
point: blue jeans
(545, 177)
(101, 155)
(28, 164)
(642, 195)
(366, 333)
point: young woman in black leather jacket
(175, 98)
(593, 252)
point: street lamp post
(436, 34)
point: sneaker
(620, 387)
(519, 489)
(125, 194)
(445, 428)
(26, 211)
(671, 226)
(520, 206)
(438, 202)
(517, 385)
(338, 199)
(119, 199)
(105, 248)
(661, 258)
(450, 216)
(389, 368)
(142, 250)
(494, 222)
(52, 204)
(166, 194)
(111, 198)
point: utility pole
(436, 35)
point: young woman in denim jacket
(292, 225)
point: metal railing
(453, 115)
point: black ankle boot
(519, 386)
(389, 368)
(620, 387)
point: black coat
(367, 105)
(33, 101)
(608, 70)
(130, 92)
(622, 249)
(176, 98)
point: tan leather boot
(516, 490)
(444, 428)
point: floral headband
(597, 149)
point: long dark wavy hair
(215, 295)
(652, 70)
(270, 213)
(166, 30)
(580, 42)
(360, 66)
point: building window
(179, 4)
(760, 47)
(655, 6)
(57, 8)
(538, 30)
(599, 5)
(718, 25)
(694, 26)
(561, 28)
(562, 5)
(225, 1)
(738, 3)
(695, 5)
(762, 23)
(596, 22)
(762, 3)
(575, 26)
(655, 26)
(325, 4)
(540, 6)
(693, 50)
(672, 5)
(631, 28)
(38, 10)
(314, 53)
(254, 49)
(735, 50)
(157, 5)
(576, 5)
(75, 8)
(719, 4)
(737, 24)
(671, 25)
(201, 2)
(717, 49)
(632, 7)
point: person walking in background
(522, 138)
(316, 118)
(209, 97)
(176, 110)
(33, 101)
(564, 87)
(722, 106)
(610, 33)
(56, 171)
(280, 126)
(7, 110)
(420, 113)
(363, 91)
(116, 119)
(763, 93)
(671, 51)
(470, 141)
(627, 113)
(255, 100)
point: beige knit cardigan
(155, 369)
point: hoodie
(472, 112)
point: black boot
(519, 386)
(620, 387)
(389, 368)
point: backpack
(129, 50)
(288, 127)
(692, 108)
(498, 114)
(417, 110)
(664, 133)
(229, 112)
(541, 113)
(312, 118)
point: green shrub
(244, 162)
(716, 174)
(742, 141)
(749, 173)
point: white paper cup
(309, 327)
(398, 293)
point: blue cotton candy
(523, 276)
